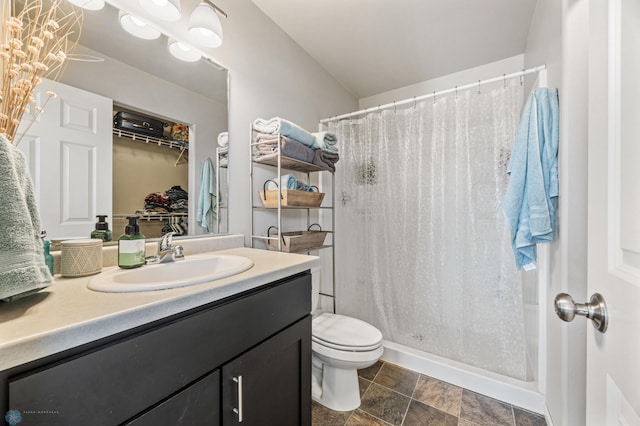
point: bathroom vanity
(244, 357)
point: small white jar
(79, 258)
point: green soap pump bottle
(131, 245)
(102, 231)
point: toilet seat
(345, 333)
(345, 348)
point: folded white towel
(22, 267)
(223, 139)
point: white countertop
(68, 314)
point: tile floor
(392, 395)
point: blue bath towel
(531, 197)
(285, 128)
(206, 215)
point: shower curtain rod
(415, 99)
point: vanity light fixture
(88, 4)
(183, 51)
(204, 24)
(138, 27)
(168, 10)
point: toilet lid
(339, 331)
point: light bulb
(168, 10)
(183, 51)
(138, 27)
(88, 4)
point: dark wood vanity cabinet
(243, 360)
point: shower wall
(418, 219)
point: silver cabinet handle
(238, 410)
(595, 310)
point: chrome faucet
(167, 252)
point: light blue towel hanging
(530, 200)
(206, 202)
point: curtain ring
(456, 92)
(522, 77)
(434, 97)
(414, 102)
(479, 87)
(504, 81)
(394, 107)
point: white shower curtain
(422, 248)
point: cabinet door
(199, 404)
(271, 383)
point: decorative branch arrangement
(34, 45)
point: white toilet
(340, 346)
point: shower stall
(423, 251)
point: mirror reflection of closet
(150, 172)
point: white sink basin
(194, 269)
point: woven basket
(297, 240)
(290, 197)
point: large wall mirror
(115, 71)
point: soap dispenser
(131, 245)
(102, 231)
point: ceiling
(373, 46)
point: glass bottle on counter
(48, 259)
(102, 231)
(131, 245)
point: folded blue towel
(289, 182)
(326, 141)
(285, 128)
(529, 203)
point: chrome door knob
(595, 310)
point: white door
(69, 151)
(613, 358)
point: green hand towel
(22, 267)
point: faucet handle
(165, 241)
(178, 252)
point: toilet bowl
(341, 346)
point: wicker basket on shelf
(290, 197)
(297, 240)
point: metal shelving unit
(282, 163)
(221, 166)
